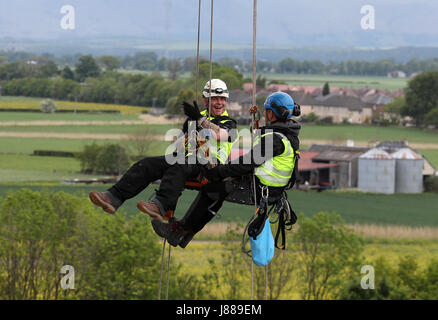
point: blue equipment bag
(262, 246)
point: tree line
(95, 80)
(150, 61)
(347, 67)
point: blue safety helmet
(282, 105)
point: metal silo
(408, 171)
(376, 172)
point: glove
(192, 111)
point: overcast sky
(280, 22)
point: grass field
(341, 81)
(28, 145)
(308, 131)
(353, 82)
(431, 155)
(355, 208)
(364, 133)
(410, 210)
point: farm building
(344, 160)
(314, 173)
(408, 171)
(393, 146)
(376, 172)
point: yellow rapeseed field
(70, 105)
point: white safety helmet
(218, 89)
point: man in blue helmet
(272, 176)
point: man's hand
(192, 111)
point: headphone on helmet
(282, 113)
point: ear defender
(297, 110)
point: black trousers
(150, 169)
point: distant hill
(282, 23)
(127, 46)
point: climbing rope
(168, 273)
(211, 59)
(254, 66)
(161, 269)
(197, 53)
(209, 107)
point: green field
(431, 155)
(28, 145)
(366, 133)
(354, 82)
(39, 116)
(99, 129)
(16, 168)
(362, 208)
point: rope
(254, 35)
(266, 281)
(254, 46)
(161, 269)
(168, 273)
(197, 53)
(252, 280)
(211, 59)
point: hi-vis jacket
(221, 149)
(275, 171)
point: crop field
(34, 103)
(354, 207)
(431, 155)
(21, 168)
(353, 82)
(28, 145)
(71, 117)
(195, 256)
(363, 133)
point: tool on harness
(257, 224)
(259, 233)
(286, 218)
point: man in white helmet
(173, 176)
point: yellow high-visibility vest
(277, 171)
(223, 148)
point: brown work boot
(151, 209)
(102, 200)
